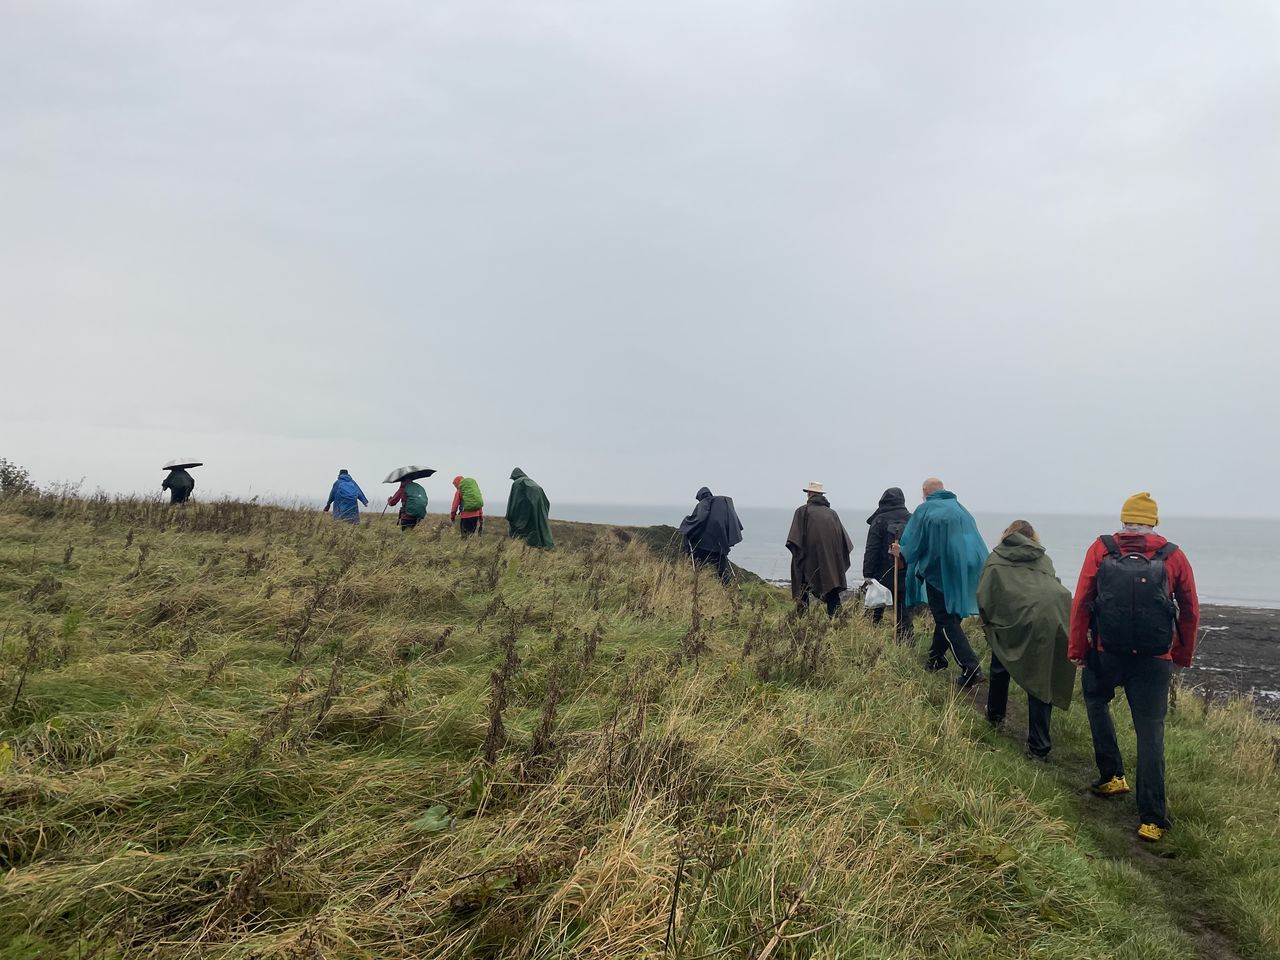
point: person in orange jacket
(1134, 615)
(468, 507)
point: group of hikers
(1133, 618)
(528, 509)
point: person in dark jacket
(179, 484)
(529, 512)
(1141, 658)
(885, 527)
(820, 549)
(345, 496)
(711, 531)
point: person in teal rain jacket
(345, 497)
(943, 549)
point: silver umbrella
(408, 473)
(182, 464)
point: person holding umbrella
(179, 483)
(345, 496)
(410, 496)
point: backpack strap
(1109, 542)
(1165, 552)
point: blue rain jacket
(942, 546)
(346, 497)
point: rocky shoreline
(1239, 655)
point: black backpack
(1134, 611)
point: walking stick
(895, 599)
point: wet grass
(240, 731)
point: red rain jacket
(1182, 584)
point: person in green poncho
(528, 510)
(1026, 613)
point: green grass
(249, 732)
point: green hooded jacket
(1026, 614)
(528, 510)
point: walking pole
(895, 599)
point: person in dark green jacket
(528, 510)
(1026, 614)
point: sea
(1236, 561)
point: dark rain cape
(528, 510)
(179, 484)
(346, 497)
(820, 549)
(942, 546)
(713, 526)
(1026, 614)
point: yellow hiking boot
(1150, 832)
(1110, 788)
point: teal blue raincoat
(942, 546)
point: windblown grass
(241, 731)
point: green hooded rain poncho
(528, 510)
(1026, 614)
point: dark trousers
(1038, 712)
(1146, 686)
(721, 562)
(407, 522)
(947, 634)
(831, 598)
(470, 526)
(906, 632)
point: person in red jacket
(470, 522)
(1135, 615)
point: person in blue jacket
(345, 497)
(942, 547)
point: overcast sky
(635, 247)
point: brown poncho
(820, 549)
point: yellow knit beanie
(1140, 508)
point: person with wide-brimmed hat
(820, 549)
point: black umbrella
(181, 464)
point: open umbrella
(182, 464)
(408, 473)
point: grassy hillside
(236, 731)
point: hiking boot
(933, 666)
(1150, 832)
(1037, 757)
(971, 679)
(1109, 788)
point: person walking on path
(529, 512)
(179, 483)
(942, 547)
(412, 499)
(345, 496)
(885, 528)
(1026, 612)
(820, 549)
(711, 531)
(1134, 617)
(468, 507)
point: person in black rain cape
(711, 531)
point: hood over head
(457, 480)
(703, 493)
(516, 474)
(1017, 548)
(891, 499)
(343, 472)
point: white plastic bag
(877, 595)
